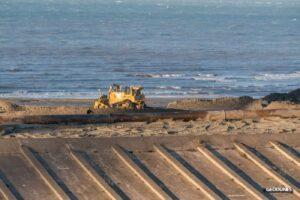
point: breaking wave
(169, 87)
(158, 75)
(272, 76)
(211, 78)
(196, 77)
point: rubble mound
(293, 96)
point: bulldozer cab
(132, 90)
(127, 90)
(136, 91)
(115, 88)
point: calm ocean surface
(71, 49)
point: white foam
(271, 76)
(197, 77)
(169, 87)
(210, 77)
(44, 95)
(205, 77)
(185, 95)
(159, 75)
(172, 75)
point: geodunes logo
(279, 190)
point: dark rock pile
(293, 96)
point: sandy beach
(255, 125)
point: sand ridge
(160, 127)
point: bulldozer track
(161, 167)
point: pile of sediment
(226, 103)
(290, 100)
(6, 106)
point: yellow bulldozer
(128, 98)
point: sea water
(70, 48)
